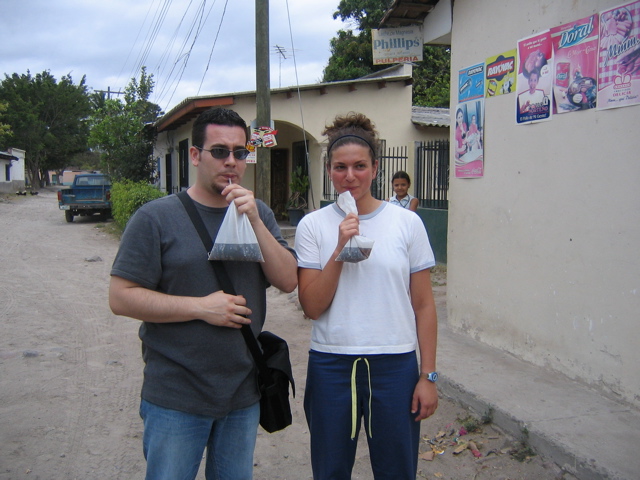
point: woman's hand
(349, 227)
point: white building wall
(389, 107)
(543, 250)
(18, 168)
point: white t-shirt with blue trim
(371, 311)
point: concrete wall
(16, 180)
(543, 250)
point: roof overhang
(8, 156)
(403, 13)
(435, 16)
(191, 107)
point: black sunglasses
(222, 153)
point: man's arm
(133, 300)
(279, 266)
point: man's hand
(244, 200)
(224, 310)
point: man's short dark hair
(215, 116)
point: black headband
(354, 136)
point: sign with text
(397, 45)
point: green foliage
(299, 186)
(432, 77)
(470, 424)
(123, 131)
(487, 418)
(522, 451)
(5, 130)
(127, 196)
(47, 120)
(352, 56)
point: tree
(5, 130)
(47, 119)
(352, 56)
(124, 133)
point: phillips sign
(397, 45)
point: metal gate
(432, 173)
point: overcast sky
(108, 41)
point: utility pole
(109, 92)
(263, 100)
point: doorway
(279, 181)
(183, 164)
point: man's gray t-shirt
(192, 366)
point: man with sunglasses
(199, 389)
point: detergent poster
(500, 74)
(471, 83)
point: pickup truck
(89, 194)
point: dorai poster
(575, 55)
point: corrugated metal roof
(402, 12)
(431, 117)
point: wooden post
(263, 100)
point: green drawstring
(354, 398)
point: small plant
(470, 424)
(299, 186)
(522, 451)
(487, 418)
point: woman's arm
(316, 288)
(425, 395)
(413, 205)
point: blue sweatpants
(341, 390)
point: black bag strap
(225, 282)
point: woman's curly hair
(354, 128)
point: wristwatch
(432, 376)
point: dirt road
(70, 370)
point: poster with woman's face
(619, 57)
(469, 139)
(535, 64)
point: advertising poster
(500, 74)
(397, 45)
(469, 139)
(471, 83)
(619, 57)
(533, 86)
(575, 57)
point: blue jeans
(341, 391)
(173, 443)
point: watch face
(433, 377)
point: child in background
(401, 183)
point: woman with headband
(373, 340)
